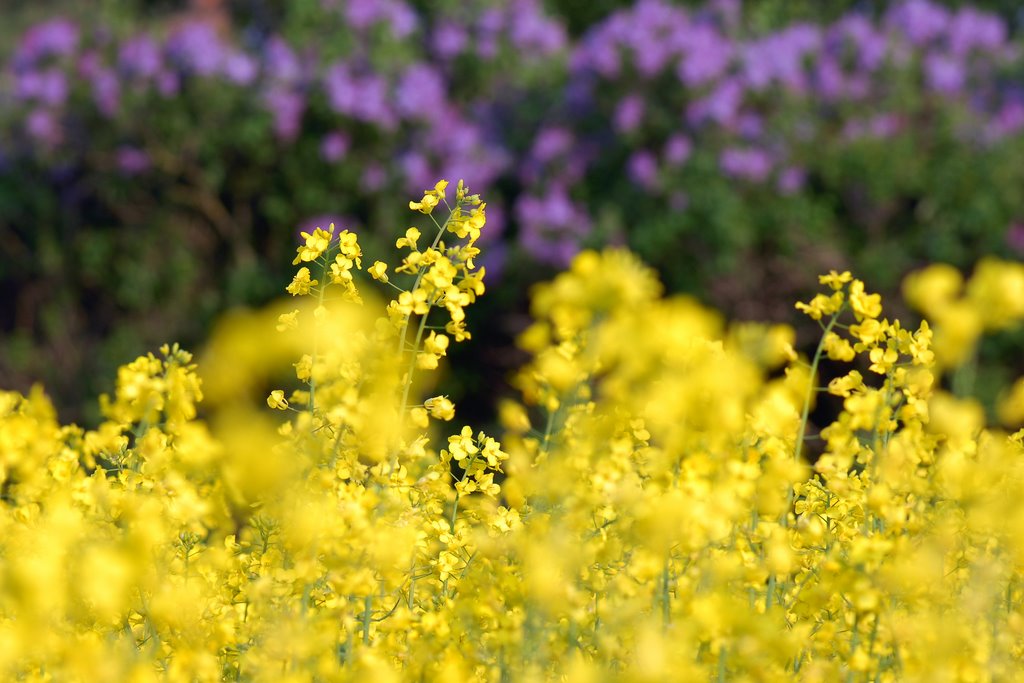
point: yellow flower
(316, 244)
(431, 198)
(864, 305)
(301, 284)
(288, 321)
(440, 407)
(276, 400)
(835, 280)
(378, 271)
(410, 239)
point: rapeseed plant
(650, 513)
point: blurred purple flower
(720, 106)
(334, 146)
(196, 48)
(706, 56)
(42, 126)
(920, 20)
(678, 201)
(132, 160)
(642, 168)
(1015, 237)
(944, 74)
(362, 14)
(449, 39)
(791, 180)
(551, 227)
(752, 164)
(533, 33)
(167, 83)
(363, 98)
(282, 64)
(550, 143)
(971, 29)
(868, 43)
(287, 108)
(420, 93)
(677, 150)
(373, 177)
(416, 171)
(56, 37)
(240, 68)
(49, 87)
(106, 91)
(629, 113)
(140, 56)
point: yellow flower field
(297, 506)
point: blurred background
(158, 158)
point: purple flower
(1015, 237)
(287, 108)
(362, 14)
(420, 92)
(533, 33)
(754, 165)
(550, 143)
(706, 56)
(106, 91)
(334, 146)
(196, 48)
(281, 62)
(677, 150)
(416, 170)
(974, 30)
(449, 39)
(363, 98)
(642, 168)
(373, 178)
(944, 74)
(720, 106)
(140, 56)
(629, 113)
(920, 20)
(49, 87)
(791, 180)
(56, 37)
(870, 45)
(132, 160)
(240, 68)
(551, 226)
(42, 125)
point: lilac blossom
(791, 180)
(642, 168)
(706, 56)
(533, 33)
(677, 150)
(42, 125)
(752, 164)
(973, 30)
(551, 226)
(920, 21)
(944, 74)
(48, 87)
(629, 113)
(420, 92)
(131, 160)
(1015, 237)
(334, 146)
(449, 39)
(196, 48)
(140, 57)
(287, 108)
(56, 37)
(281, 62)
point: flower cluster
(661, 522)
